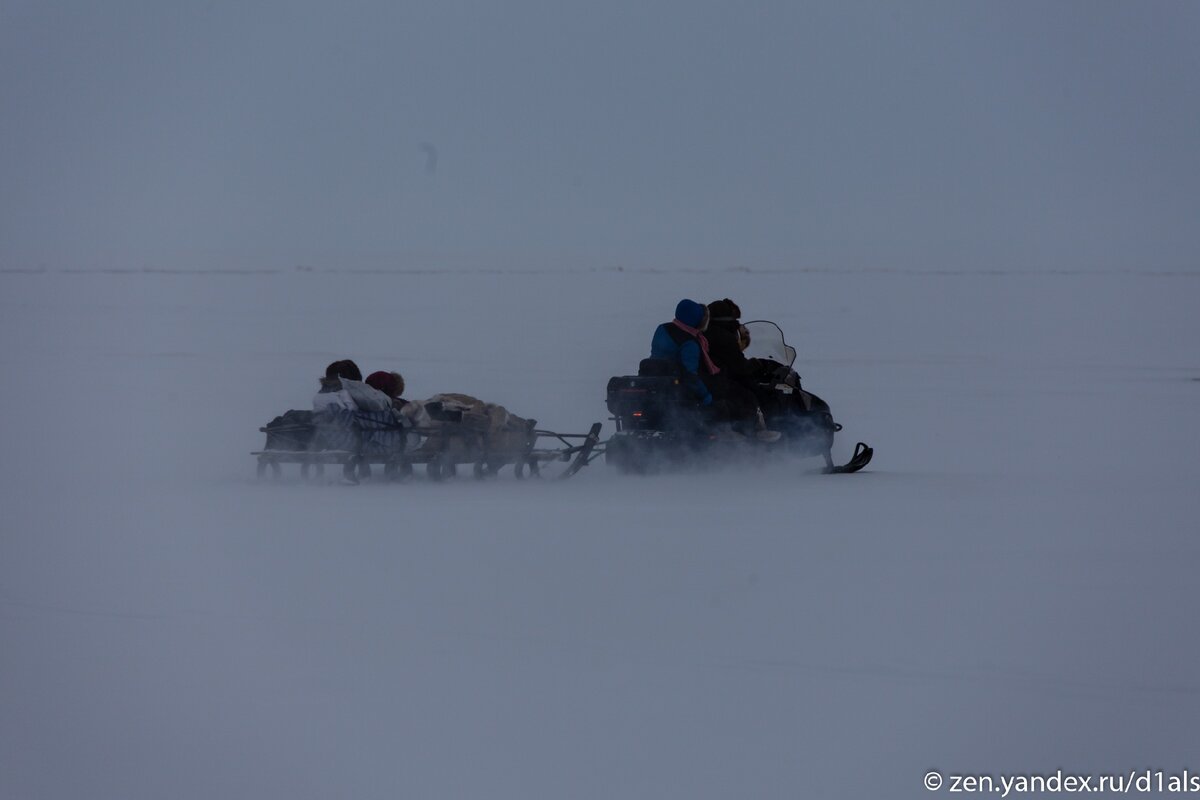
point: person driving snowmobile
(728, 339)
(724, 341)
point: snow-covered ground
(1010, 587)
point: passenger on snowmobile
(682, 342)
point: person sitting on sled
(411, 413)
(346, 408)
(342, 388)
(682, 341)
(332, 394)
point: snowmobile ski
(862, 456)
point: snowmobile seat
(658, 368)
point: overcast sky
(947, 135)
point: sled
(356, 442)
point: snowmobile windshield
(766, 341)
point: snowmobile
(661, 425)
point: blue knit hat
(690, 313)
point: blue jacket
(686, 353)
